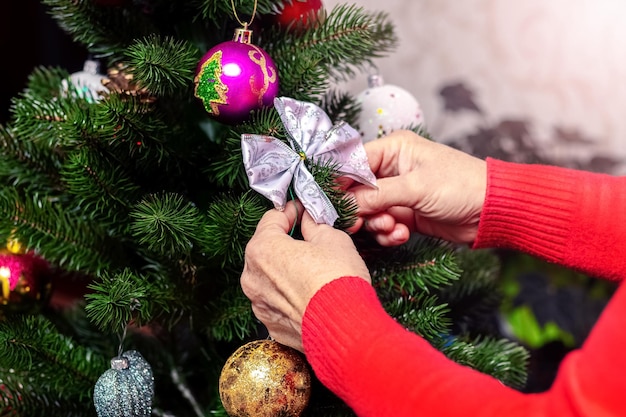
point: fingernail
(398, 235)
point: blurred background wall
(538, 80)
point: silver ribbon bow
(271, 165)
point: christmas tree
(124, 195)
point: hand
(281, 274)
(423, 186)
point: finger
(281, 220)
(344, 182)
(309, 227)
(358, 224)
(380, 223)
(390, 192)
(383, 153)
(287, 338)
(399, 235)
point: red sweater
(378, 368)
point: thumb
(283, 221)
(320, 233)
(390, 192)
(309, 227)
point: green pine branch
(503, 359)
(423, 264)
(218, 11)
(127, 297)
(226, 168)
(341, 106)
(99, 185)
(423, 314)
(104, 31)
(26, 164)
(165, 66)
(232, 221)
(231, 316)
(475, 299)
(345, 42)
(48, 371)
(61, 236)
(167, 224)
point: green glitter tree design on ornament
(209, 87)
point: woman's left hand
(281, 274)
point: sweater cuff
(527, 207)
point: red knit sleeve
(380, 369)
(574, 218)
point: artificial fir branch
(32, 117)
(231, 316)
(476, 296)
(166, 224)
(130, 127)
(26, 165)
(423, 264)
(74, 324)
(98, 184)
(61, 237)
(44, 82)
(327, 175)
(305, 78)
(501, 358)
(422, 313)
(121, 298)
(165, 66)
(20, 396)
(227, 168)
(220, 9)
(343, 43)
(103, 30)
(232, 221)
(341, 106)
(53, 363)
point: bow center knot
(302, 155)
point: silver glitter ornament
(127, 389)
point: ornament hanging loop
(135, 304)
(244, 24)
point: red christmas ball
(300, 14)
(25, 282)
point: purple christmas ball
(233, 78)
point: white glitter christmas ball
(385, 108)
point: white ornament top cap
(375, 80)
(92, 67)
(119, 362)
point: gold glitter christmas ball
(265, 379)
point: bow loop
(272, 166)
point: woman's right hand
(424, 187)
